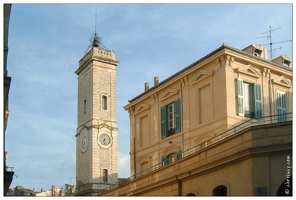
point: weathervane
(270, 40)
(95, 40)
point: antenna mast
(270, 40)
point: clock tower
(96, 133)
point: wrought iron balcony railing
(249, 123)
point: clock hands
(105, 139)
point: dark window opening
(104, 102)
(84, 107)
(220, 190)
(105, 175)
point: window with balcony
(171, 119)
(249, 99)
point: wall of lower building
(252, 162)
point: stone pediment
(202, 75)
(142, 107)
(169, 93)
(251, 71)
(282, 81)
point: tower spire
(96, 21)
(95, 40)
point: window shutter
(177, 115)
(165, 160)
(257, 101)
(240, 96)
(281, 106)
(164, 127)
(284, 106)
(179, 154)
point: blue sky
(46, 41)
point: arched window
(285, 188)
(190, 194)
(220, 190)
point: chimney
(53, 190)
(146, 86)
(283, 60)
(156, 81)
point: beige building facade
(221, 126)
(96, 136)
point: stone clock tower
(96, 134)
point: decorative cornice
(171, 149)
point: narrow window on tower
(104, 102)
(84, 107)
(105, 175)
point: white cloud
(123, 165)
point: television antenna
(269, 36)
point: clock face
(105, 139)
(83, 141)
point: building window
(84, 107)
(104, 102)
(281, 106)
(171, 158)
(249, 99)
(171, 119)
(171, 116)
(105, 175)
(220, 190)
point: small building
(20, 191)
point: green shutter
(240, 97)
(165, 160)
(284, 106)
(177, 115)
(281, 106)
(179, 154)
(164, 126)
(257, 101)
